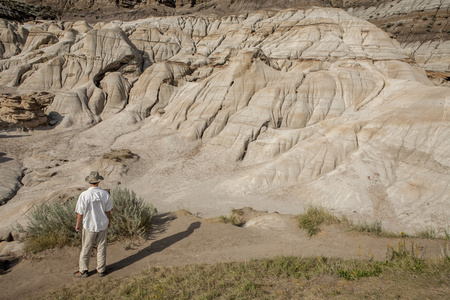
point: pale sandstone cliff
(272, 109)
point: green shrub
(131, 217)
(314, 217)
(52, 224)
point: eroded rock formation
(24, 111)
(309, 106)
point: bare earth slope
(272, 109)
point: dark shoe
(79, 274)
(102, 274)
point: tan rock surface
(24, 111)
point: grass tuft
(428, 233)
(314, 217)
(370, 227)
(236, 218)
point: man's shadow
(155, 247)
(3, 158)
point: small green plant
(355, 270)
(447, 234)
(446, 251)
(370, 227)
(428, 233)
(314, 217)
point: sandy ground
(181, 238)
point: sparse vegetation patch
(52, 224)
(369, 227)
(277, 278)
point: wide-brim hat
(94, 177)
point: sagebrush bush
(131, 216)
(52, 225)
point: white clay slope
(273, 109)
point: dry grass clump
(52, 224)
(236, 218)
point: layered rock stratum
(274, 109)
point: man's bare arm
(108, 214)
(79, 221)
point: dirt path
(184, 239)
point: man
(94, 211)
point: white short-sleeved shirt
(93, 205)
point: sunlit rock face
(422, 27)
(315, 106)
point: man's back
(93, 205)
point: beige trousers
(100, 239)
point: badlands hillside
(421, 26)
(272, 109)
